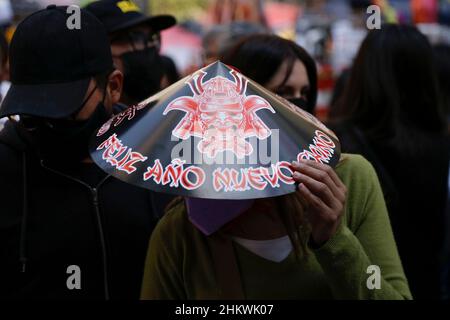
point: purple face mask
(210, 215)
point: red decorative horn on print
(241, 83)
(196, 83)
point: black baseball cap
(118, 15)
(51, 65)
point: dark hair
(3, 49)
(260, 56)
(225, 36)
(442, 60)
(392, 90)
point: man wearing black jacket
(67, 230)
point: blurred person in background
(135, 45)
(4, 72)
(279, 65)
(347, 35)
(6, 16)
(313, 29)
(442, 59)
(6, 13)
(390, 112)
(226, 11)
(221, 38)
(211, 43)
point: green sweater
(179, 264)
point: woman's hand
(325, 196)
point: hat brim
(245, 154)
(56, 100)
(157, 23)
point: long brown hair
(392, 93)
(291, 210)
(271, 51)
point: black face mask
(143, 72)
(301, 103)
(65, 141)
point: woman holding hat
(328, 239)
(331, 239)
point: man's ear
(115, 84)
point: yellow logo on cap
(128, 6)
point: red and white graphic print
(221, 114)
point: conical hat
(215, 135)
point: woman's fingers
(323, 173)
(311, 199)
(323, 220)
(319, 175)
(325, 195)
(326, 168)
(318, 188)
